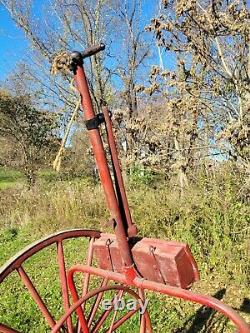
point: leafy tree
(29, 134)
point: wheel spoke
(64, 284)
(120, 321)
(142, 324)
(36, 297)
(105, 314)
(87, 275)
(112, 322)
(86, 278)
(96, 303)
(142, 317)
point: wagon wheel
(96, 321)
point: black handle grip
(92, 50)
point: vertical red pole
(102, 165)
(131, 227)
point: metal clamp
(95, 122)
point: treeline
(175, 73)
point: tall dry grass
(213, 218)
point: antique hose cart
(118, 265)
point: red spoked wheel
(86, 309)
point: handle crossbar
(92, 50)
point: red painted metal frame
(143, 284)
(102, 165)
(120, 188)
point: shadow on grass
(205, 319)
(209, 320)
(245, 306)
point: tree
(66, 25)
(30, 134)
(135, 44)
(79, 158)
(210, 40)
(206, 92)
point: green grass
(10, 178)
(212, 218)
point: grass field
(213, 219)
(10, 178)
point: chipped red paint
(170, 262)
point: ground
(215, 226)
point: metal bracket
(95, 122)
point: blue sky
(13, 45)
